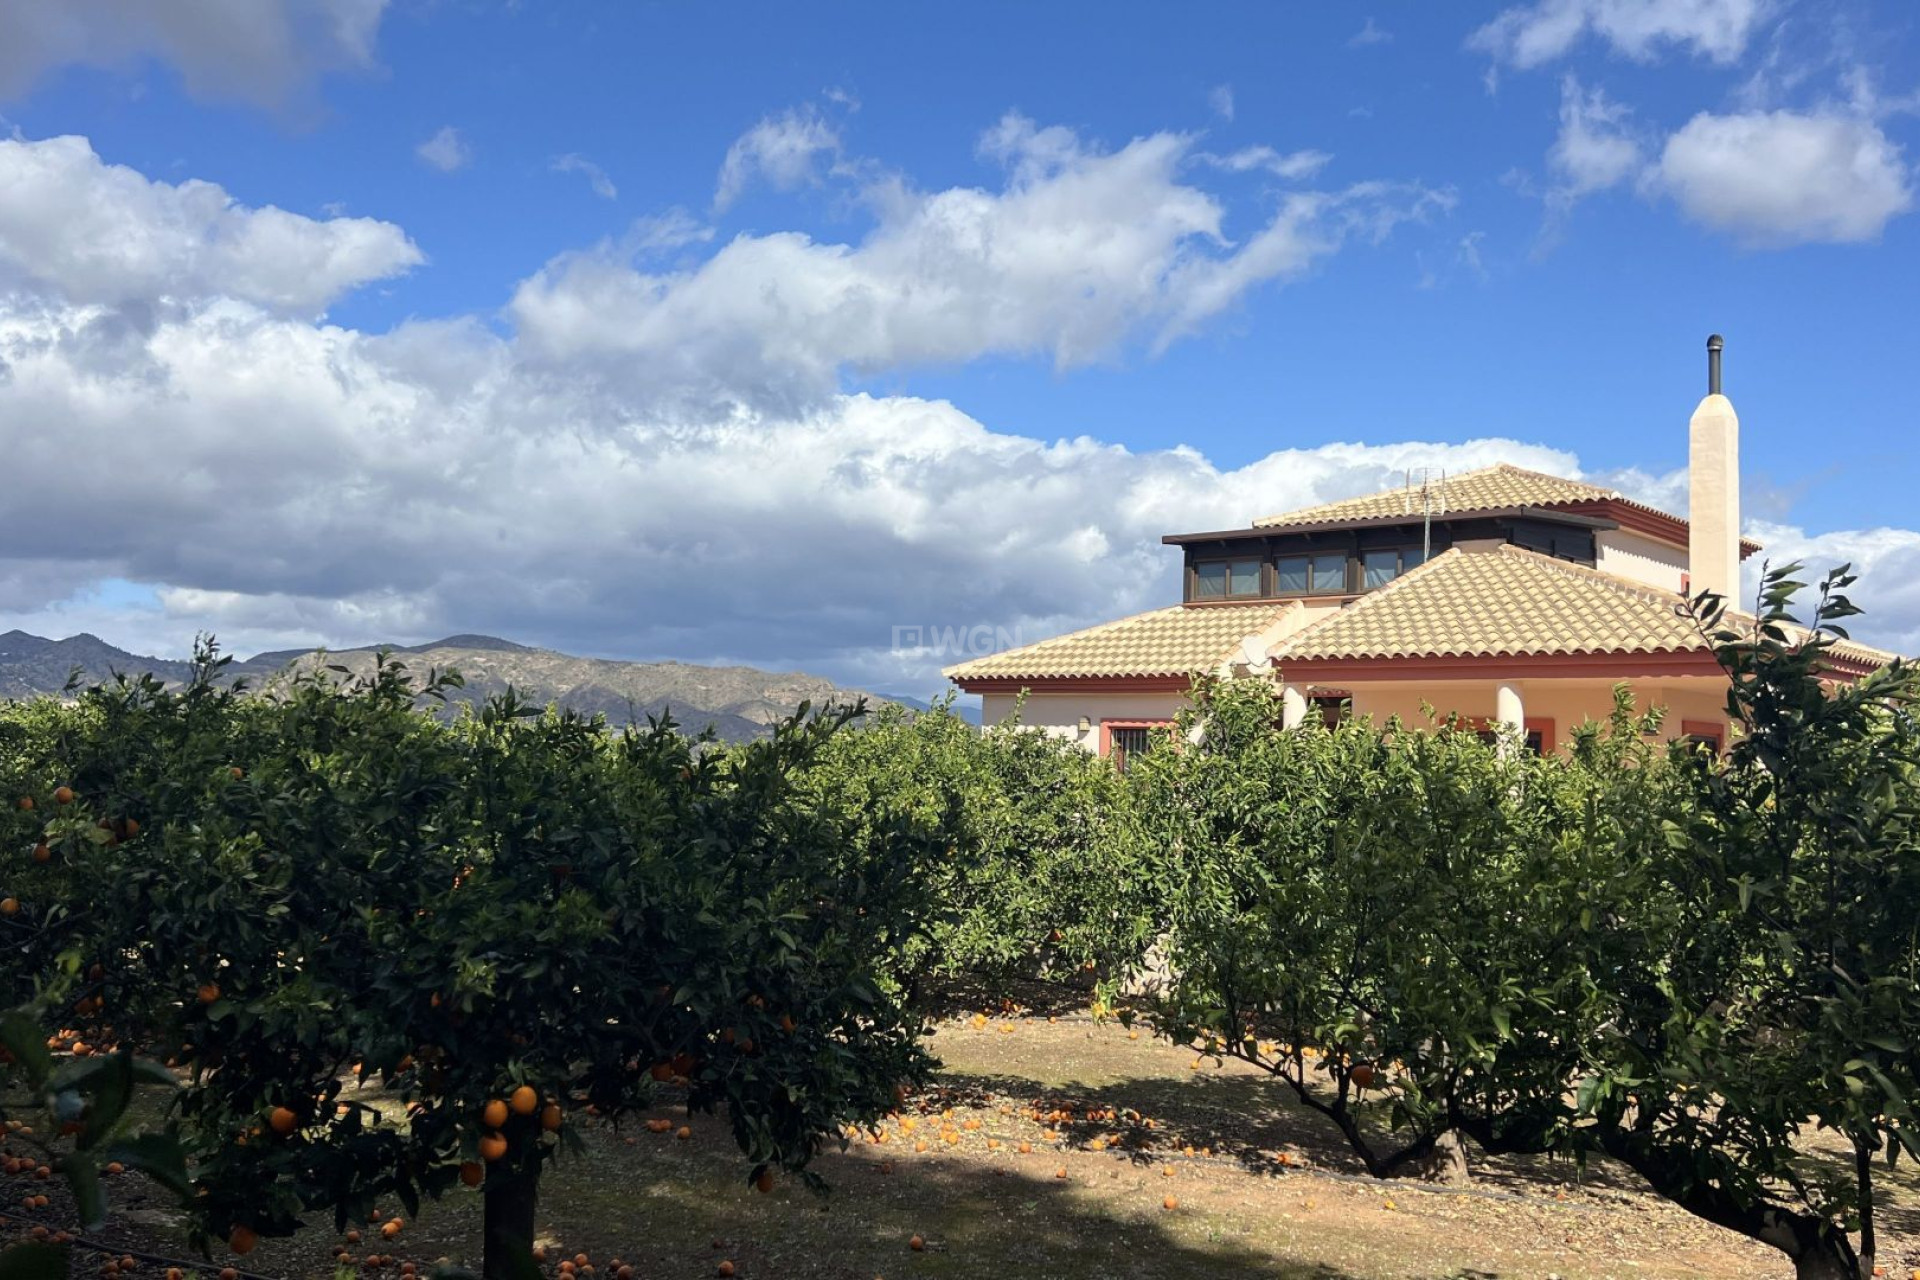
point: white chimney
(1713, 480)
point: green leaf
(83, 1179)
(159, 1156)
(27, 1043)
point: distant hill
(737, 702)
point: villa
(1506, 597)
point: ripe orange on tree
(494, 1114)
(525, 1100)
(1364, 1075)
(493, 1146)
(63, 795)
(242, 1239)
(209, 992)
(472, 1173)
(41, 853)
(550, 1117)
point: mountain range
(738, 703)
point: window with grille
(1128, 738)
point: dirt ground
(1191, 1168)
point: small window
(1243, 577)
(1125, 739)
(1221, 579)
(1380, 567)
(1322, 574)
(1703, 735)
(1329, 574)
(1331, 708)
(1538, 738)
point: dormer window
(1321, 574)
(1226, 579)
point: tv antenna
(1433, 498)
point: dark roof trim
(1554, 514)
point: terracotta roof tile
(1509, 602)
(1180, 641)
(1501, 486)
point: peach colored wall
(1632, 555)
(1566, 702)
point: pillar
(1509, 713)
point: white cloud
(1370, 32)
(1288, 164)
(784, 151)
(1530, 35)
(1594, 149)
(1080, 252)
(331, 484)
(596, 176)
(616, 476)
(1782, 177)
(260, 51)
(446, 150)
(1220, 100)
(85, 232)
(1886, 560)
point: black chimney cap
(1715, 342)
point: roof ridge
(1365, 601)
(1548, 475)
(1625, 586)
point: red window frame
(1106, 735)
(1542, 725)
(1707, 732)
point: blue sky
(753, 335)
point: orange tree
(499, 923)
(1776, 990)
(1398, 925)
(1034, 881)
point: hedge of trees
(1683, 962)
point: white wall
(1634, 555)
(1058, 714)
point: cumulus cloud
(596, 177)
(1530, 35)
(350, 487)
(656, 462)
(1079, 252)
(1886, 560)
(87, 232)
(446, 150)
(1782, 177)
(328, 484)
(262, 51)
(786, 152)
